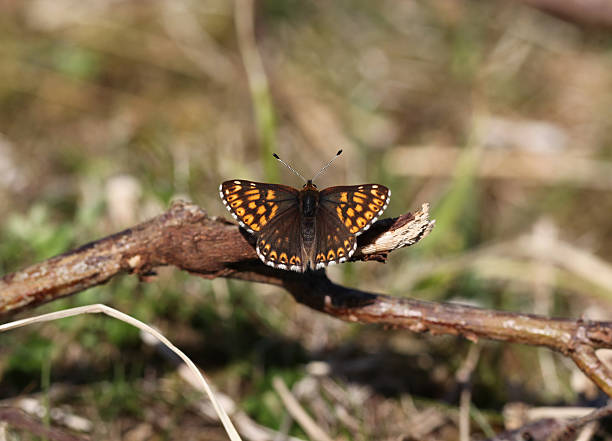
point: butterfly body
(304, 229)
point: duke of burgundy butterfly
(305, 229)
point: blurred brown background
(496, 113)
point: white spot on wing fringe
(350, 253)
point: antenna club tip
(339, 151)
(275, 155)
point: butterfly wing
(256, 204)
(271, 213)
(334, 243)
(344, 213)
(355, 206)
(280, 243)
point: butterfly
(307, 229)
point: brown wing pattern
(280, 244)
(334, 243)
(255, 204)
(271, 212)
(357, 207)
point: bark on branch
(187, 238)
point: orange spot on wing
(271, 194)
(376, 193)
(240, 211)
(255, 227)
(378, 202)
(283, 258)
(252, 205)
(368, 215)
(261, 209)
(359, 194)
(361, 222)
(273, 255)
(236, 203)
(252, 191)
(347, 222)
(339, 213)
(231, 197)
(350, 212)
(354, 229)
(263, 221)
(248, 219)
(358, 200)
(331, 255)
(373, 207)
(344, 196)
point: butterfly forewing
(256, 204)
(355, 206)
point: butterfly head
(309, 185)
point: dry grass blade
(298, 412)
(104, 309)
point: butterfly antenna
(327, 165)
(288, 166)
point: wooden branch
(18, 419)
(187, 238)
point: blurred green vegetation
(496, 114)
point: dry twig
(18, 419)
(298, 413)
(187, 238)
(552, 424)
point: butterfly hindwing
(355, 206)
(334, 243)
(280, 243)
(256, 204)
